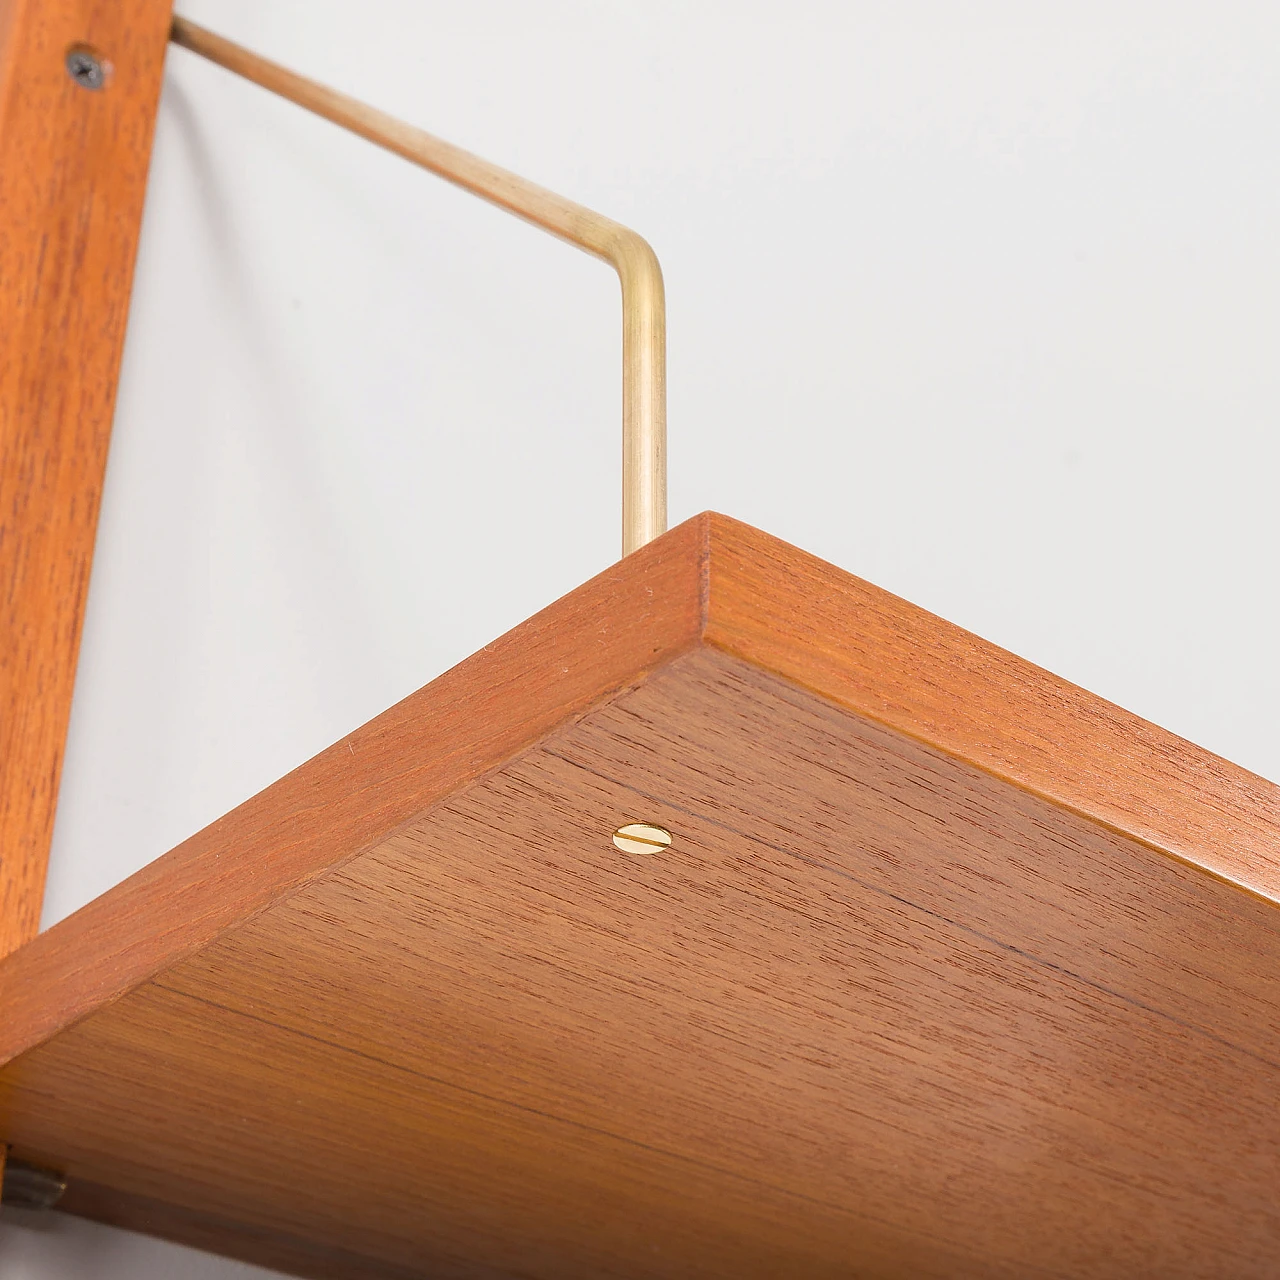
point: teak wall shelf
(951, 969)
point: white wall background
(981, 302)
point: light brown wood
(873, 653)
(73, 167)
(581, 650)
(903, 998)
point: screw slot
(642, 837)
(86, 67)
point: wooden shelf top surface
(952, 968)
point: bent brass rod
(644, 377)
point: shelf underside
(908, 995)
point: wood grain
(73, 169)
(785, 611)
(583, 649)
(893, 1004)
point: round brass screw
(642, 837)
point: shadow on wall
(35, 1245)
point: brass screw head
(642, 837)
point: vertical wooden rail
(73, 171)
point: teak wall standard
(73, 173)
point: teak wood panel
(73, 170)
(584, 648)
(879, 1011)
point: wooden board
(73, 170)
(951, 970)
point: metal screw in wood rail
(79, 87)
(644, 391)
(29, 1186)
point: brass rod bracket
(644, 377)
